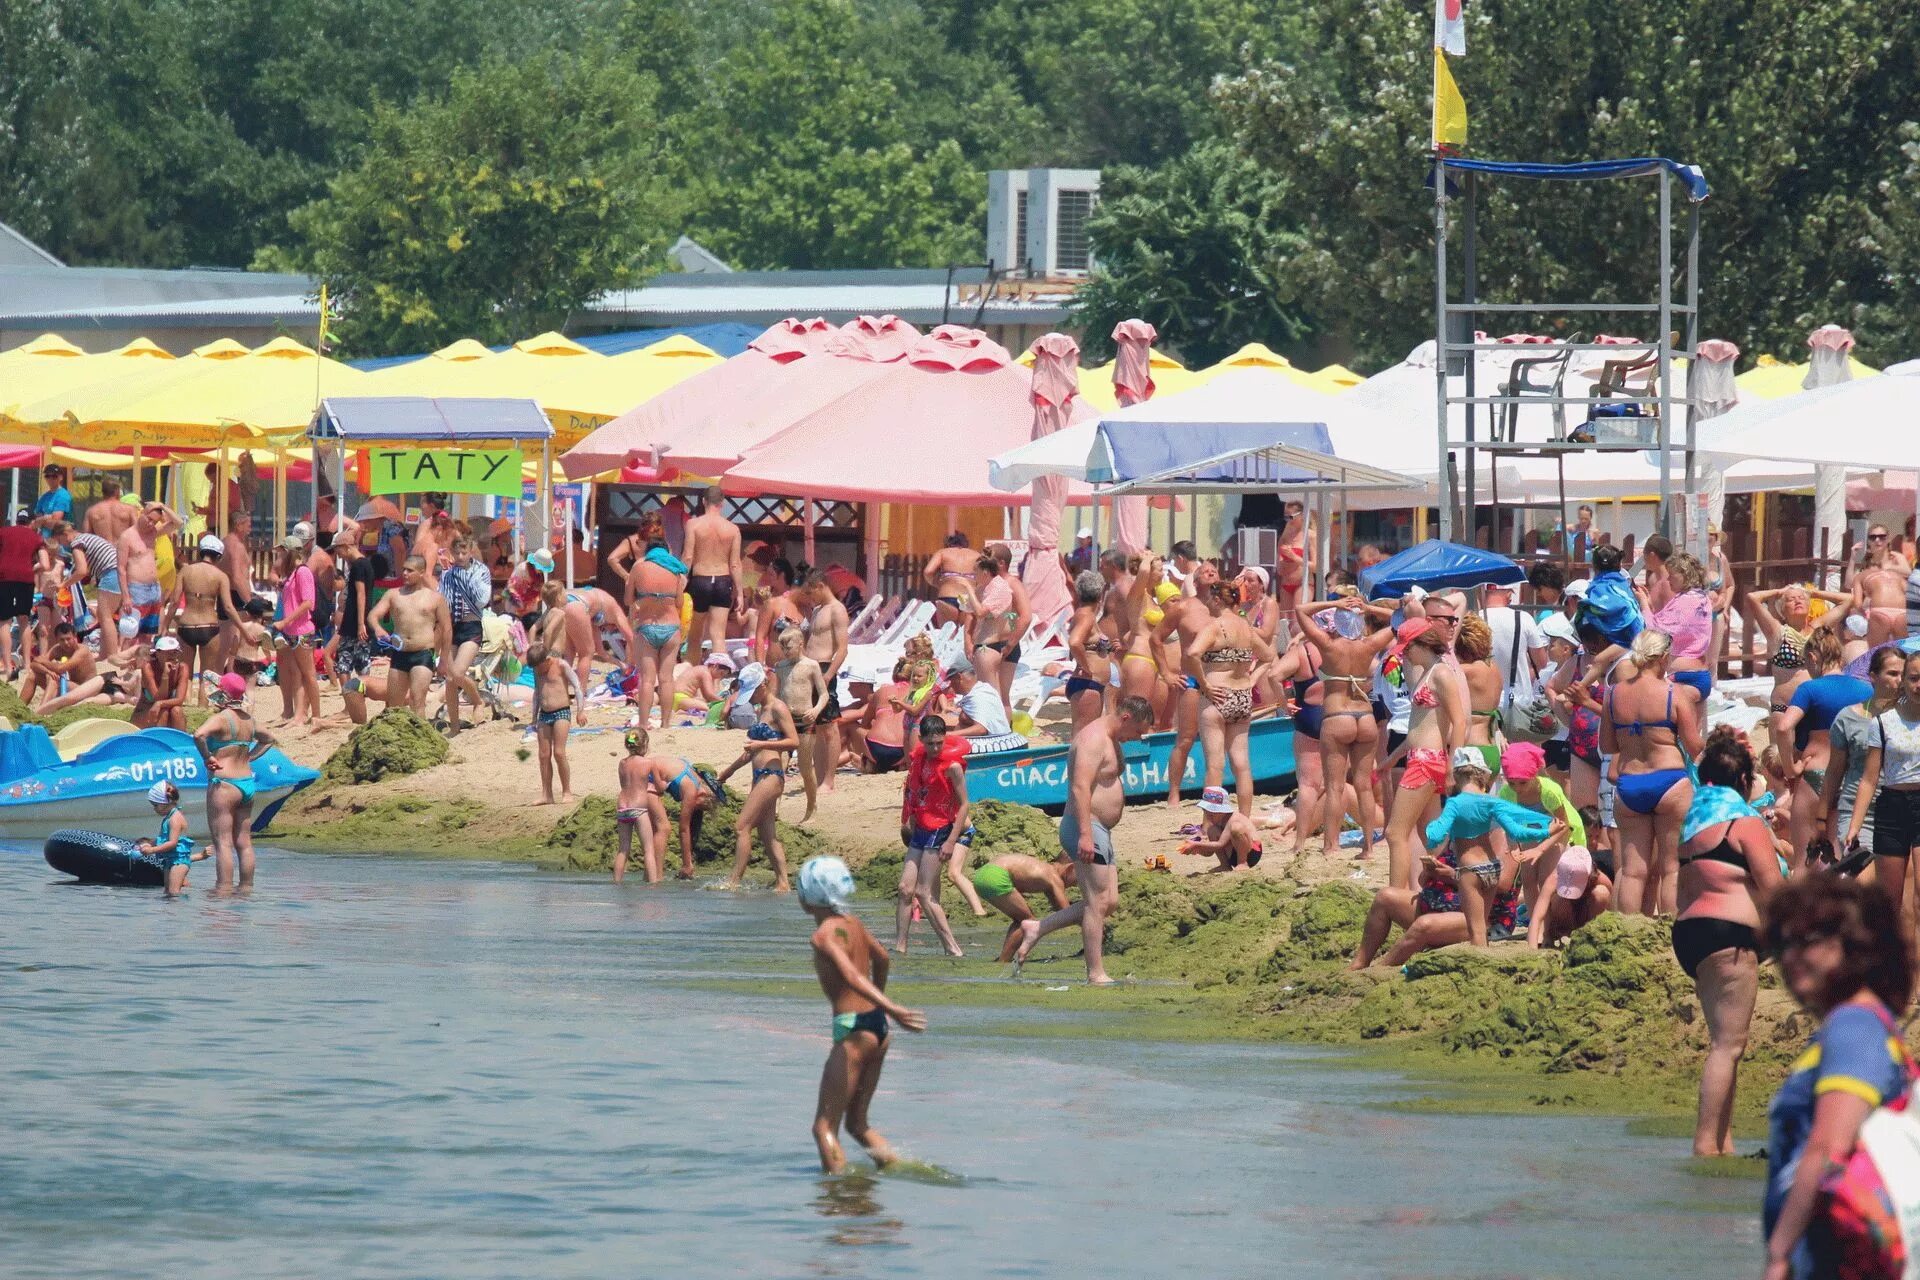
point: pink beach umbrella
(1132, 383)
(883, 339)
(707, 423)
(1056, 381)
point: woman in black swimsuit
(1727, 869)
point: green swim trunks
(872, 1021)
(992, 881)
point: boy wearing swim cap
(852, 967)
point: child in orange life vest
(933, 826)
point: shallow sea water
(390, 1068)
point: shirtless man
(1186, 617)
(826, 644)
(326, 582)
(803, 689)
(697, 686)
(1096, 801)
(714, 575)
(950, 573)
(1005, 882)
(139, 570)
(73, 661)
(1880, 589)
(202, 598)
(236, 560)
(418, 615)
(109, 517)
(1092, 651)
(1116, 610)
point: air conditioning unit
(1037, 220)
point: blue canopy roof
(1436, 564)
(1198, 453)
(1588, 170)
(432, 421)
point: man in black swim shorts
(712, 554)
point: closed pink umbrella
(1056, 382)
(707, 423)
(1132, 383)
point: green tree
(494, 212)
(1790, 109)
(1197, 246)
(803, 157)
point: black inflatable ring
(101, 859)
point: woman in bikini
(230, 741)
(203, 598)
(1473, 646)
(1348, 731)
(1648, 734)
(250, 654)
(162, 703)
(1221, 664)
(1784, 617)
(768, 742)
(779, 611)
(950, 573)
(1296, 673)
(653, 594)
(994, 643)
(1140, 663)
(1436, 727)
(1880, 589)
(1727, 870)
(1295, 547)
(1091, 649)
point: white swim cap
(157, 794)
(1857, 627)
(826, 882)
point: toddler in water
(852, 967)
(170, 847)
(633, 810)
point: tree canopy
(1264, 163)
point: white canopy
(1868, 423)
(1405, 393)
(1251, 396)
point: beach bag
(1869, 1214)
(1528, 717)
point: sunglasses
(1443, 617)
(1876, 537)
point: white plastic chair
(863, 622)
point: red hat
(1410, 630)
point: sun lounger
(862, 624)
(874, 660)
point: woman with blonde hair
(1473, 646)
(1648, 734)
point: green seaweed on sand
(397, 823)
(586, 839)
(393, 743)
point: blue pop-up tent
(1436, 564)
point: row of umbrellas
(142, 396)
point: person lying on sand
(852, 967)
(1004, 884)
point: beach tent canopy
(918, 430)
(364, 420)
(1868, 423)
(709, 421)
(1435, 564)
(1769, 379)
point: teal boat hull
(1038, 775)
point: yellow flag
(320, 342)
(1449, 108)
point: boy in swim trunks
(852, 968)
(632, 811)
(417, 614)
(1004, 884)
(933, 827)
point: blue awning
(1435, 564)
(1201, 452)
(444, 421)
(1587, 171)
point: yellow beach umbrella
(217, 395)
(46, 346)
(57, 370)
(1334, 377)
(1170, 377)
(1769, 379)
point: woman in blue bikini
(768, 742)
(653, 594)
(230, 741)
(1648, 735)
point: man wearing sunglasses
(1880, 588)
